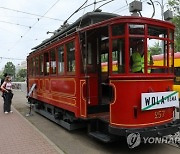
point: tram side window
(37, 65)
(30, 68)
(41, 64)
(46, 63)
(70, 57)
(61, 60)
(34, 66)
(118, 56)
(53, 62)
(104, 54)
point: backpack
(2, 81)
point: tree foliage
(156, 49)
(9, 69)
(21, 75)
(175, 5)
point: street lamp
(162, 4)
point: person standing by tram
(137, 59)
(7, 94)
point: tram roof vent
(135, 7)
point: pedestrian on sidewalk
(6, 88)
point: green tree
(156, 49)
(21, 75)
(9, 69)
(175, 4)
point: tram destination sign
(158, 100)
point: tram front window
(177, 74)
(158, 47)
(118, 56)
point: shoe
(6, 112)
(11, 111)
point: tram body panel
(126, 111)
(59, 92)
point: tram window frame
(118, 29)
(70, 58)
(160, 34)
(177, 74)
(136, 29)
(137, 45)
(120, 59)
(41, 64)
(118, 33)
(53, 67)
(30, 68)
(33, 66)
(46, 64)
(89, 59)
(61, 60)
(36, 65)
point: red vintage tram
(74, 89)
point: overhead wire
(34, 24)
(10, 58)
(28, 13)
(7, 22)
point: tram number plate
(159, 114)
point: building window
(70, 57)
(53, 62)
(61, 59)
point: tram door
(95, 53)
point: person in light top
(6, 88)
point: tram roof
(86, 20)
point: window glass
(37, 65)
(158, 50)
(177, 74)
(53, 62)
(118, 56)
(136, 29)
(30, 67)
(46, 63)
(89, 61)
(34, 66)
(137, 55)
(41, 64)
(171, 58)
(104, 62)
(157, 31)
(117, 30)
(61, 59)
(70, 57)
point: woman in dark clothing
(7, 94)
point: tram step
(102, 137)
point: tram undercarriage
(97, 123)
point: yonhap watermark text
(134, 139)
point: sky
(24, 23)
